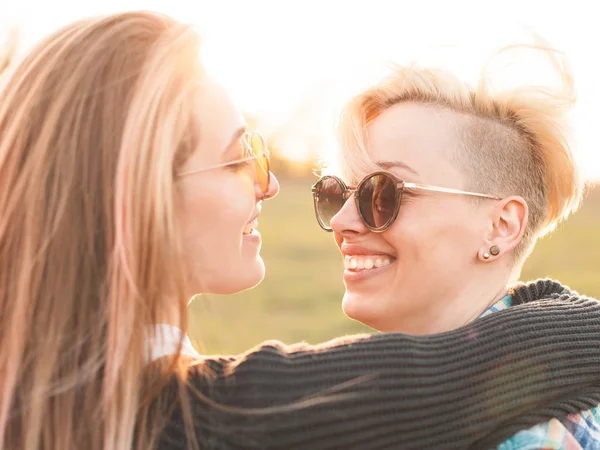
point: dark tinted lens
(377, 200)
(329, 200)
(261, 162)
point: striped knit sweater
(468, 388)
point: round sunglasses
(377, 198)
(255, 148)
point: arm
(505, 372)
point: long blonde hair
(92, 124)
(513, 141)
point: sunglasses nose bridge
(349, 192)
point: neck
(453, 309)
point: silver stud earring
(486, 255)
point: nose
(347, 221)
(272, 191)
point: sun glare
(290, 64)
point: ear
(509, 219)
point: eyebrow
(237, 134)
(386, 165)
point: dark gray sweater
(468, 388)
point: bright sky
(291, 63)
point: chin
(244, 278)
(251, 281)
(256, 273)
(360, 308)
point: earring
(494, 250)
(486, 255)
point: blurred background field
(291, 83)
(300, 298)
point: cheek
(203, 234)
(432, 231)
(213, 222)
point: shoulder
(545, 289)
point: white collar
(163, 340)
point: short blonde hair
(512, 142)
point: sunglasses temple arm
(425, 187)
(216, 166)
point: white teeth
(365, 262)
(250, 226)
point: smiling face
(410, 277)
(218, 208)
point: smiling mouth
(250, 227)
(362, 262)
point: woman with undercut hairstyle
(451, 187)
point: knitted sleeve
(469, 388)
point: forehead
(420, 136)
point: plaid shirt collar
(503, 303)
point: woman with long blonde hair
(128, 183)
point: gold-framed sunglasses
(255, 148)
(377, 198)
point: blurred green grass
(300, 298)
